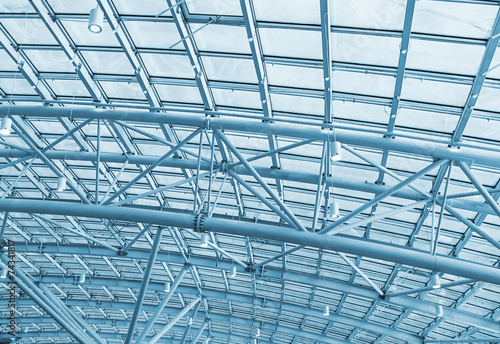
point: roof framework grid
(202, 203)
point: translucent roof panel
(269, 171)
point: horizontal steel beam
(482, 157)
(303, 177)
(362, 247)
(268, 273)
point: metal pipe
(137, 237)
(493, 204)
(144, 285)
(152, 166)
(161, 306)
(4, 224)
(309, 178)
(430, 288)
(199, 333)
(175, 320)
(438, 229)
(74, 231)
(31, 291)
(482, 157)
(361, 273)
(98, 163)
(259, 179)
(357, 246)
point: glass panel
(28, 31)
(50, 61)
(108, 62)
(291, 43)
(123, 90)
(283, 75)
(179, 94)
(444, 57)
(154, 35)
(237, 98)
(150, 7)
(298, 11)
(374, 50)
(489, 99)
(295, 104)
(175, 66)
(221, 38)
(80, 6)
(219, 7)
(363, 83)
(68, 88)
(81, 35)
(375, 14)
(435, 92)
(230, 69)
(454, 18)
(16, 86)
(6, 63)
(16, 6)
(426, 120)
(361, 112)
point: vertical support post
(98, 163)
(144, 286)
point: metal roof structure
(249, 171)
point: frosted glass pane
(285, 11)
(454, 18)
(230, 69)
(237, 98)
(444, 57)
(154, 35)
(16, 86)
(374, 50)
(108, 62)
(80, 6)
(426, 120)
(221, 38)
(175, 66)
(82, 36)
(489, 99)
(376, 14)
(179, 94)
(50, 60)
(361, 83)
(435, 92)
(68, 87)
(292, 76)
(150, 7)
(28, 31)
(122, 90)
(369, 113)
(219, 7)
(291, 43)
(296, 104)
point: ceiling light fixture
(233, 272)
(204, 240)
(336, 151)
(61, 183)
(81, 280)
(440, 311)
(3, 275)
(167, 287)
(326, 311)
(257, 332)
(95, 20)
(333, 210)
(5, 126)
(435, 281)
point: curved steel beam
(267, 273)
(357, 246)
(303, 177)
(243, 299)
(482, 157)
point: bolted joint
(120, 252)
(224, 167)
(199, 223)
(250, 269)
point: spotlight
(435, 281)
(326, 311)
(95, 20)
(61, 183)
(233, 272)
(257, 332)
(440, 311)
(82, 278)
(167, 287)
(336, 150)
(5, 126)
(334, 209)
(3, 274)
(204, 240)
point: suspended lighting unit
(81, 280)
(336, 151)
(167, 287)
(326, 311)
(5, 126)
(96, 18)
(435, 281)
(233, 272)
(204, 240)
(61, 183)
(333, 209)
